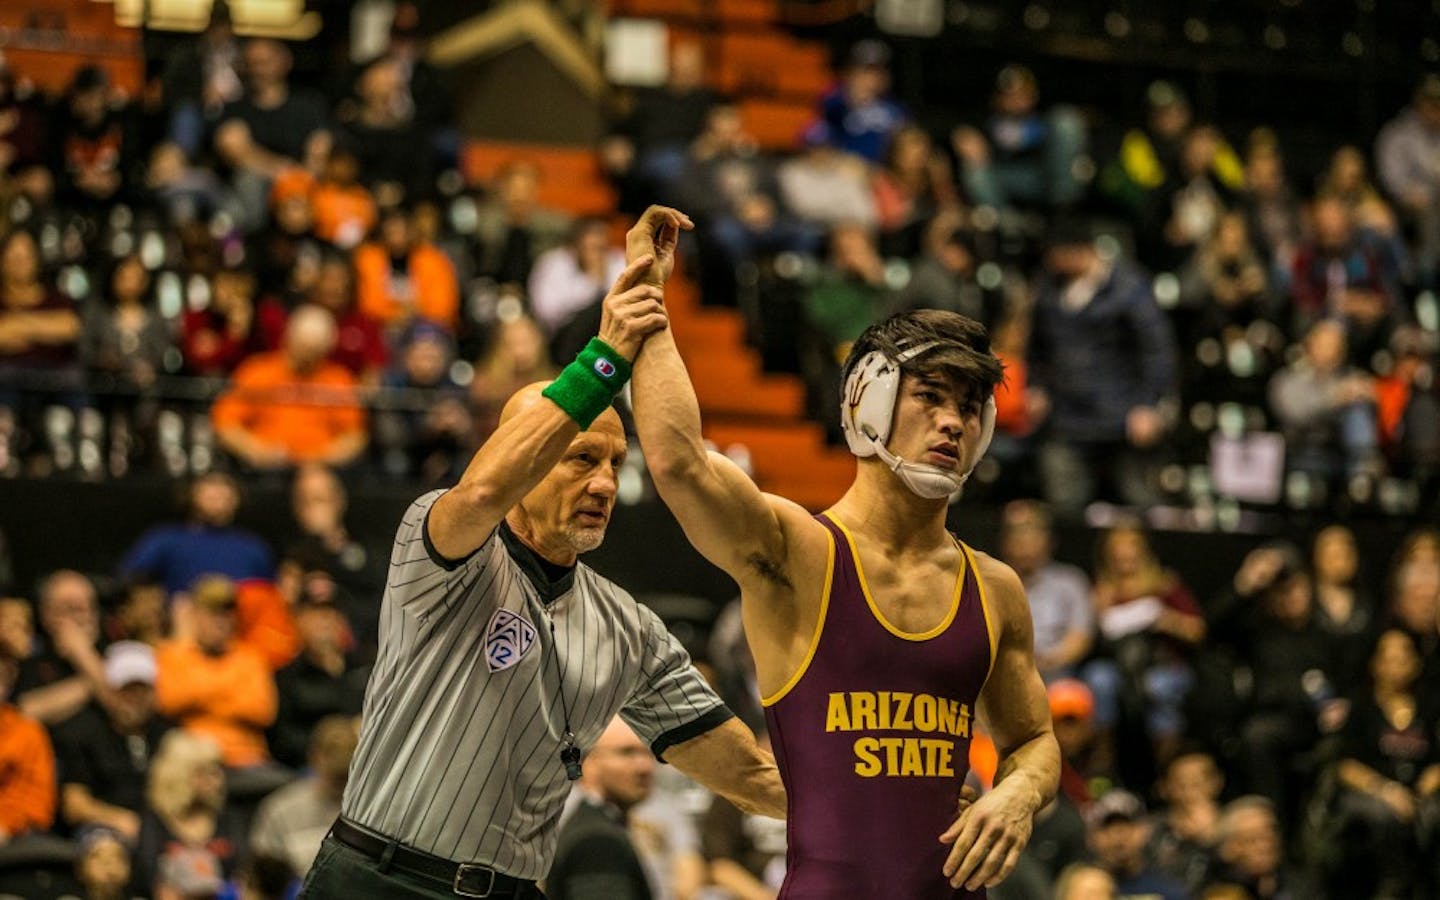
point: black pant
(340, 873)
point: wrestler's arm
(726, 517)
(989, 835)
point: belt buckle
(460, 872)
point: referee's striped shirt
(459, 752)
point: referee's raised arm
(529, 444)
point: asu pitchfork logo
(507, 640)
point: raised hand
(632, 311)
(656, 236)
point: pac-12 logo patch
(507, 640)
(605, 367)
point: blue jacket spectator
(208, 543)
(861, 118)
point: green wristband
(585, 388)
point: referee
(502, 659)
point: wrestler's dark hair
(962, 355)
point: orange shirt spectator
(27, 773)
(265, 623)
(401, 278)
(293, 405)
(344, 214)
(212, 683)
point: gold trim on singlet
(814, 638)
(984, 608)
(875, 609)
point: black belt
(465, 879)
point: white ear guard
(867, 410)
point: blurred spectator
(1251, 853)
(944, 275)
(1149, 624)
(125, 343)
(293, 405)
(22, 131)
(207, 542)
(1415, 608)
(202, 77)
(730, 188)
(1102, 360)
(67, 670)
(344, 210)
(745, 852)
(390, 156)
(27, 766)
(103, 866)
(1390, 775)
(512, 229)
(324, 680)
(181, 191)
(323, 543)
(401, 278)
(1405, 154)
(569, 280)
(286, 254)
(140, 613)
(428, 434)
(1022, 158)
(1119, 832)
(38, 335)
(824, 187)
(1271, 210)
(517, 356)
(1340, 272)
(1226, 282)
(1059, 594)
(595, 858)
(913, 186)
(189, 841)
(1149, 160)
(1327, 410)
(859, 116)
(647, 151)
(270, 128)
(17, 628)
(1186, 831)
(87, 144)
(105, 750)
(665, 829)
(1348, 181)
(263, 877)
(213, 685)
(1086, 757)
(291, 823)
(1344, 606)
(1083, 881)
(359, 341)
(422, 87)
(1193, 203)
(216, 338)
(1408, 404)
(851, 292)
(1291, 664)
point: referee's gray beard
(583, 540)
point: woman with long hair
(189, 842)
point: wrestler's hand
(656, 235)
(632, 311)
(988, 836)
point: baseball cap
(213, 592)
(129, 662)
(1014, 77)
(1115, 806)
(1429, 88)
(1161, 94)
(1070, 699)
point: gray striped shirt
(459, 752)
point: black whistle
(570, 756)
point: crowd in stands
(235, 272)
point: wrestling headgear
(867, 412)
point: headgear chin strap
(868, 412)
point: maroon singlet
(872, 737)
